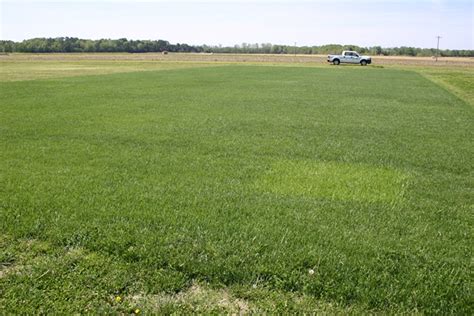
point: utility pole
(437, 47)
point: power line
(437, 47)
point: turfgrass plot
(144, 184)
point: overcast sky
(361, 22)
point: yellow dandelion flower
(118, 299)
(137, 311)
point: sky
(361, 22)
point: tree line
(77, 45)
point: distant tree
(376, 50)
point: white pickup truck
(349, 57)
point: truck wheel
(336, 62)
(363, 62)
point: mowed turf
(275, 188)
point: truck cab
(350, 57)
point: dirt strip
(203, 57)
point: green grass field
(237, 188)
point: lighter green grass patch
(333, 180)
(51, 69)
